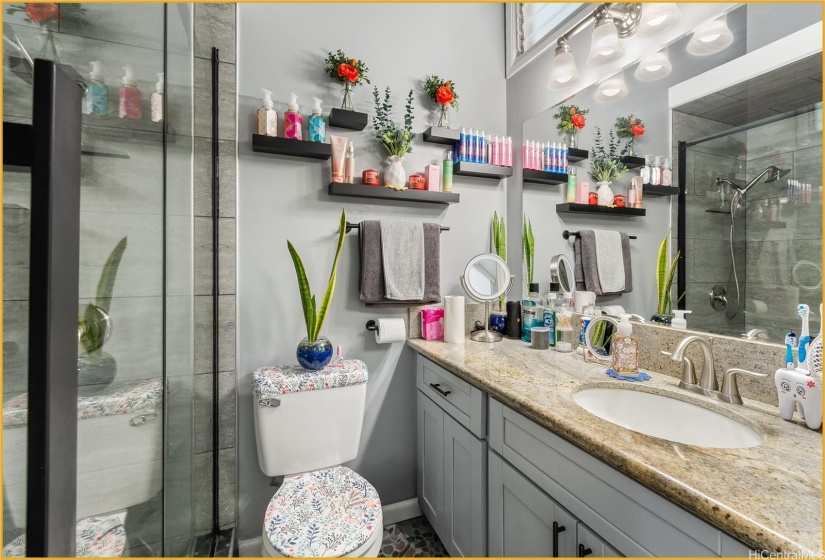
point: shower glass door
(135, 301)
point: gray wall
(280, 199)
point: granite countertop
(769, 496)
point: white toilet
(307, 423)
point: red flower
(348, 72)
(578, 121)
(41, 13)
(637, 130)
(444, 95)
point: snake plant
(313, 315)
(664, 277)
(528, 243)
(91, 326)
(500, 244)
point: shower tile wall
(214, 27)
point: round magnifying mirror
(599, 337)
(561, 272)
(486, 279)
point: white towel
(609, 260)
(402, 248)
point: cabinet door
(464, 521)
(589, 545)
(523, 520)
(430, 460)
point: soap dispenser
(625, 348)
(317, 124)
(129, 106)
(679, 321)
(156, 100)
(267, 117)
(97, 94)
(292, 120)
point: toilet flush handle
(141, 420)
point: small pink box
(432, 173)
(582, 193)
(432, 323)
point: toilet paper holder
(372, 325)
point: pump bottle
(625, 348)
(292, 120)
(679, 321)
(267, 117)
(97, 94)
(129, 97)
(317, 124)
(156, 100)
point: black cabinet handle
(437, 387)
(556, 530)
(584, 551)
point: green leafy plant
(500, 244)
(396, 139)
(528, 243)
(91, 329)
(313, 315)
(605, 162)
(664, 278)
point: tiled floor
(414, 537)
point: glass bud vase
(573, 139)
(346, 102)
(314, 355)
(631, 148)
(444, 117)
(48, 47)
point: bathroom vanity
(510, 465)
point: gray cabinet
(451, 479)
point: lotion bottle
(129, 97)
(667, 174)
(267, 117)
(349, 164)
(97, 94)
(156, 100)
(625, 348)
(317, 124)
(679, 321)
(292, 120)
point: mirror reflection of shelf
(576, 154)
(290, 147)
(572, 207)
(441, 135)
(486, 170)
(544, 177)
(633, 162)
(359, 190)
(350, 120)
(659, 190)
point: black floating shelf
(575, 154)
(659, 190)
(290, 147)
(633, 162)
(344, 118)
(544, 177)
(486, 170)
(594, 209)
(385, 193)
(441, 135)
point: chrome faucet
(755, 334)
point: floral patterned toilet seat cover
(96, 537)
(326, 513)
(271, 382)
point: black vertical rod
(51, 482)
(681, 227)
(215, 286)
(164, 252)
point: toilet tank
(308, 420)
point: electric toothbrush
(805, 336)
(790, 344)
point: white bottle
(679, 321)
(656, 172)
(156, 100)
(667, 174)
(267, 117)
(645, 171)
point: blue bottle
(97, 94)
(317, 124)
(473, 153)
(462, 146)
(564, 165)
(482, 148)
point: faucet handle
(688, 370)
(730, 390)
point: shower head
(771, 174)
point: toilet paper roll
(583, 299)
(390, 330)
(454, 319)
(613, 310)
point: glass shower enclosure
(110, 422)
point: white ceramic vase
(394, 175)
(605, 193)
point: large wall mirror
(744, 100)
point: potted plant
(630, 127)
(606, 165)
(395, 138)
(315, 351)
(528, 243)
(500, 245)
(94, 327)
(444, 94)
(348, 71)
(664, 283)
(571, 121)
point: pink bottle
(292, 120)
(524, 161)
(129, 97)
(509, 152)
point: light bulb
(656, 21)
(564, 72)
(710, 37)
(604, 43)
(658, 18)
(653, 67)
(611, 92)
(611, 89)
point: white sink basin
(666, 418)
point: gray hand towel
(609, 260)
(402, 250)
(585, 268)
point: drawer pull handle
(584, 551)
(437, 387)
(556, 530)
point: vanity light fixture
(612, 89)
(604, 43)
(652, 67)
(658, 18)
(564, 72)
(711, 37)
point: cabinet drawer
(459, 399)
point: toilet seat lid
(330, 512)
(95, 537)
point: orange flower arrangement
(441, 91)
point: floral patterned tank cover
(270, 382)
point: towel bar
(568, 234)
(351, 226)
